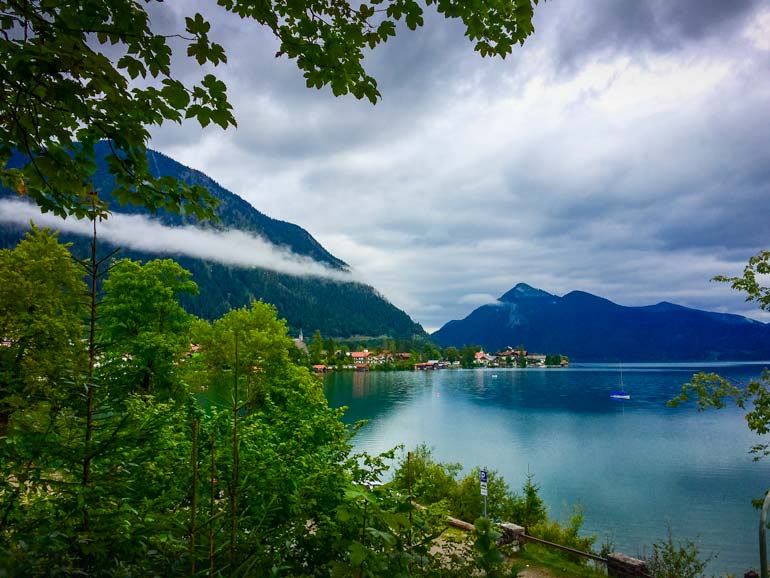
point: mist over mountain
(246, 255)
(586, 327)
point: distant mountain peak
(666, 306)
(586, 327)
(524, 291)
(584, 297)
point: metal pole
(763, 538)
(485, 498)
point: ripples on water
(634, 466)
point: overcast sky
(624, 150)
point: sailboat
(621, 393)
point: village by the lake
(383, 359)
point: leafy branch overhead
(75, 73)
(710, 390)
(758, 265)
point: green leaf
(357, 554)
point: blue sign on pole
(483, 488)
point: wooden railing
(618, 565)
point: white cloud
(477, 299)
(141, 233)
(758, 31)
(623, 151)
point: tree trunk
(194, 497)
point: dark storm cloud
(623, 151)
(602, 28)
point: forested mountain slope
(338, 309)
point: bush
(426, 480)
(677, 560)
(568, 535)
(429, 482)
(466, 502)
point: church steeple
(299, 343)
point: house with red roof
(361, 357)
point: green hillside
(338, 309)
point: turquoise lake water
(636, 467)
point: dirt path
(543, 573)
(535, 573)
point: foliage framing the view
(710, 390)
(255, 480)
(75, 73)
(225, 461)
(110, 472)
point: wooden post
(512, 533)
(622, 566)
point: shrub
(677, 560)
(426, 480)
(566, 535)
(466, 502)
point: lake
(636, 467)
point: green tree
(42, 314)
(66, 70)
(298, 356)
(342, 357)
(126, 519)
(172, 488)
(429, 351)
(420, 476)
(279, 450)
(466, 501)
(316, 347)
(467, 355)
(84, 474)
(530, 510)
(710, 390)
(250, 343)
(489, 558)
(451, 354)
(145, 328)
(331, 347)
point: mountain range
(337, 308)
(582, 326)
(585, 327)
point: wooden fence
(618, 565)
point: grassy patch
(555, 562)
(456, 533)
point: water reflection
(635, 466)
(359, 384)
